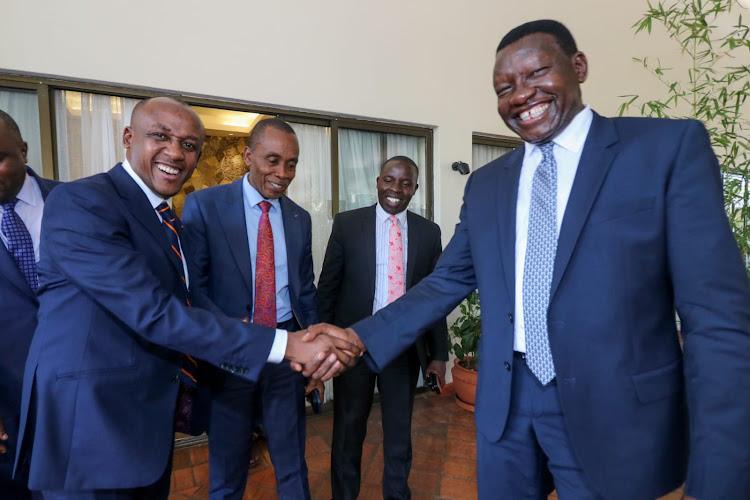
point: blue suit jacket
(113, 324)
(18, 320)
(644, 232)
(216, 236)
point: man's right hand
(320, 358)
(347, 334)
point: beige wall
(417, 61)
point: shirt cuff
(278, 349)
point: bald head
(10, 125)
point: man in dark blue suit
(222, 234)
(582, 244)
(22, 195)
(107, 374)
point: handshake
(323, 351)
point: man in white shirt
(582, 245)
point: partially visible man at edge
(22, 195)
(109, 370)
(582, 244)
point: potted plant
(465, 333)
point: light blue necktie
(20, 244)
(540, 260)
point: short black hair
(549, 26)
(402, 159)
(11, 125)
(257, 132)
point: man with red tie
(251, 254)
(374, 255)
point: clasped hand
(323, 351)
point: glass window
(89, 132)
(482, 154)
(23, 107)
(362, 153)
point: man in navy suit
(22, 192)
(222, 235)
(104, 383)
(354, 282)
(582, 244)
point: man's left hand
(438, 368)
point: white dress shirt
(382, 240)
(567, 149)
(29, 208)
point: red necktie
(265, 272)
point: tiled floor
(442, 468)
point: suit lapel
(292, 238)
(596, 159)
(231, 216)
(141, 208)
(367, 248)
(9, 270)
(413, 229)
(506, 200)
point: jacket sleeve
(331, 275)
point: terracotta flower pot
(465, 384)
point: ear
(247, 154)
(581, 66)
(416, 186)
(127, 135)
(24, 151)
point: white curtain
(482, 154)
(23, 107)
(361, 155)
(311, 189)
(89, 132)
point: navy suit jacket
(644, 233)
(216, 236)
(18, 320)
(113, 326)
(346, 289)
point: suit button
(510, 317)
(175, 378)
(507, 366)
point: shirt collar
(573, 136)
(382, 215)
(254, 197)
(29, 193)
(153, 198)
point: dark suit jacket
(216, 236)
(346, 288)
(113, 326)
(644, 232)
(18, 320)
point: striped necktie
(188, 375)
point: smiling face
(272, 162)
(163, 144)
(396, 186)
(538, 87)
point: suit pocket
(619, 209)
(658, 384)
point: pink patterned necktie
(265, 272)
(396, 285)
